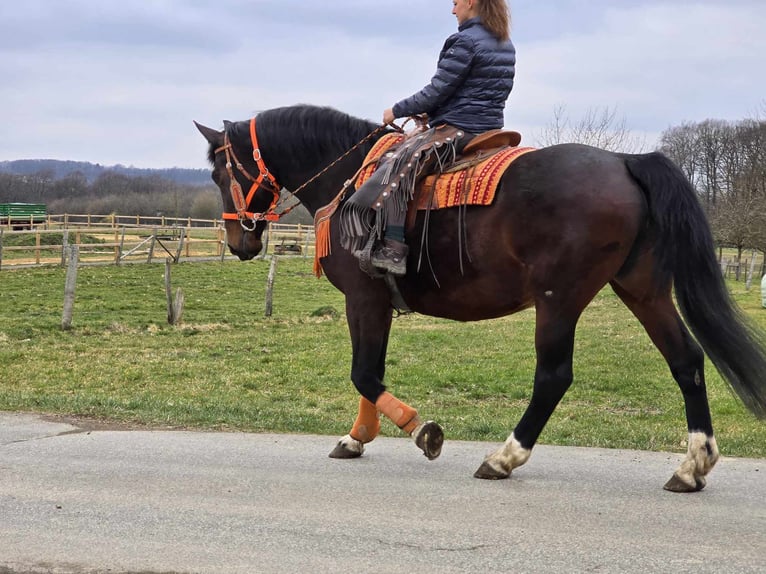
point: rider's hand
(388, 116)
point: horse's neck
(328, 185)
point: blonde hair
(496, 17)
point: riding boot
(391, 255)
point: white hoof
(348, 447)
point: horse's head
(247, 189)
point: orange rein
(241, 202)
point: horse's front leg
(369, 319)
(428, 435)
(365, 429)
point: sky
(120, 81)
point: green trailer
(22, 215)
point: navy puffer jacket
(472, 82)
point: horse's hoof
(488, 472)
(675, 484)
(429, 438)
(347, 447)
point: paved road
(82, 502)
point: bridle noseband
(241, 202)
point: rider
(473, 79)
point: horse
(566, 221)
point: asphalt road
(85, 502)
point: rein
(241, 202)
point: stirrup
(364, 255)
(391, 256)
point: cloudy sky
(120, 81)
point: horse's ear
(213, 137)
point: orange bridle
(241, 203)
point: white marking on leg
(701, 456)
(351, 444)
(509, 456)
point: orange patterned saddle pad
(473, 185)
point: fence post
(175, 307)
(151, 246)
(69, 287)
(750, 271)
(265, 245)
(181, 240)
(64, 246)
(122, 246)
(270, 285)
(1, 247)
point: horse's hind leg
(554, 342)
(659, 316)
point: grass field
(228, 367)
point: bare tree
(738, 219)
(681, 144)
(726, 162)
(599, 128)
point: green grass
(229, 367)
(29, 239)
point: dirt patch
(89, 424)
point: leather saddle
(483, 146)
(493, 139)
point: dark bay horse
(566, 220)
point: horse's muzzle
(244, 255)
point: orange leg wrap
(403, 416)
(367, 424)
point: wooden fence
(115, 239)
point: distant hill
(60, 169)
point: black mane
(301, 135)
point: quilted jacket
(473, 79)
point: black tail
(685, 251)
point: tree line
(726, 163)
(113, 191)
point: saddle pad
(475, 185)
(371, 161)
